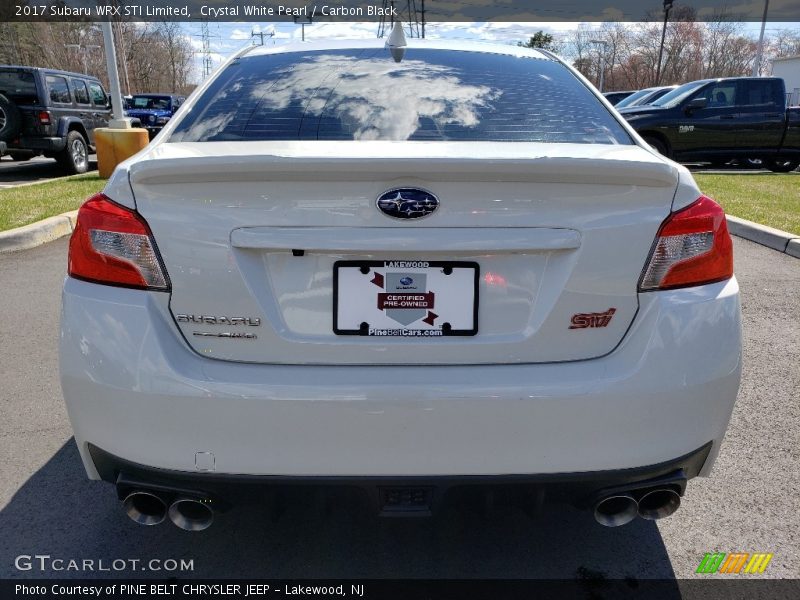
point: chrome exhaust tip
(614, 511)
(658, 504)
(191, 515)
(145, 508)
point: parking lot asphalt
(37, 169)
(749, 504)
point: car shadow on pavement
(38, 170)
(58, 512)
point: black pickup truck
(717, 120)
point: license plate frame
(467, 280)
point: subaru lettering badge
(407, 203)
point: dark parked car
(154, 110)
(645, 96)
(51, 113)
(616, 97)
(718, 120)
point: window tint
(631, 100)
(19, 86)
(98, 95)
(679, 94)
(151, 102)
(81, 93)
(720, 95)
(429, 95)
(756, 93)
(58, 90)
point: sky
(227, 37)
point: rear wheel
(75, 157)
(782, 165)
(10, 119)
(658, 145)
(752, 163)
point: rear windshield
(431, 95)
(19, 86)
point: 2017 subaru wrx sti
(420, 274)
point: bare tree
(579, 48)
(155, 56)
(719, 47)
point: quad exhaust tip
(614, 511)
(619, 509)
(145, 508)
(191, 515)
(658, 504)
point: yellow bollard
(116, 145)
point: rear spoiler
(334, 167)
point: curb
(14, 186)
(36, 234)
(782, 241)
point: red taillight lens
(113, 245)
(693, 247)
(44, 118)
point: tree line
(152, 57)
(692, 50)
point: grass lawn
(768, 198)
(30, 203)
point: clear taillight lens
(693, 247)
(113, 245)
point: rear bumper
(581, 489)
(134, 389)
(43, 144)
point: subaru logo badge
(407, 203)
(406, 281)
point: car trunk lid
(251, 234)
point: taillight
(44, 117)
(113, 245)
(693, 247)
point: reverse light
(113, 245)
(693, 247)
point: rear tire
(74, 158)
(10, 119)
(781, 165)
(657, 145)
(752, 163)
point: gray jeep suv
(51, 113)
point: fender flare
(67, 124)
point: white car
(426, 272)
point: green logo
(720, 562)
